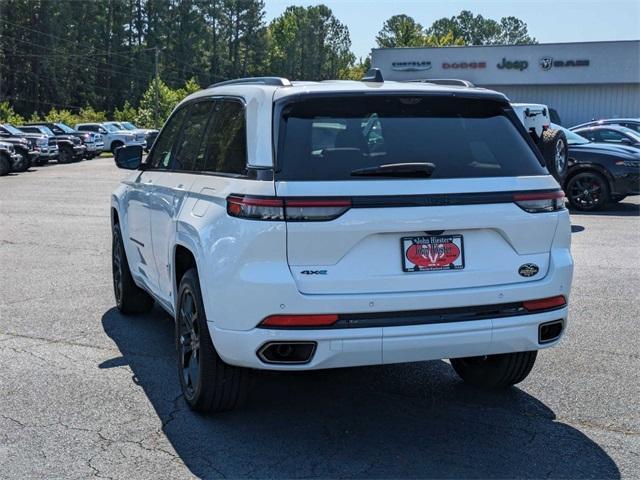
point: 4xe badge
(528, 269)
(313, 272)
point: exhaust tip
(550, 331)
(289, 353)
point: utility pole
(155, 88)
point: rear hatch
(408, 193)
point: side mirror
(102, 131)
(129, 157)
(626, 141)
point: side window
(190, 147)
(163, 148)
(611, 136)
(226, 139)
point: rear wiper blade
(410, 170)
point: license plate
(432, 252)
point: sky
(548, 21)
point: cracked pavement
(86, 392)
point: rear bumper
(375, 346)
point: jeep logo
(313, 272)
(513, 64)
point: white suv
(296, 226)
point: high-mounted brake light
(537, 202)
(299, 320)
(544, 303)
(290, 209)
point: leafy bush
(8, 115)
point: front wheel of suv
(495, 371)
(65, 155)
(208, 383)
(129, 297)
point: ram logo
(313, 272)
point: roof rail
(446, 81)
(274, 81)
(373, 75)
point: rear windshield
(327, 138)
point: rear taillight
(290, 209)
(299, 320)
(544, 303)
(537, 202)
(255, 208)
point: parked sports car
(614, 134)
(599, 173)
(632, 123)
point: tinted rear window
(327, 138)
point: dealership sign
(513, 64)
(547, 62)
(463, 65)
(411, 66)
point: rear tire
(588, 191)
(555, 151)
(208, 383)
(495, 371)
(130, 298)
(5, 165)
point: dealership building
(581, 81)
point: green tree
(125, 114)
(400, 31)
(477, 30)
(309, 43)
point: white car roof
(276, 92)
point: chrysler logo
(411, 66)
(528, 269)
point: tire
(588, 191)
(617, 198)
(5, 165)
(115, 145)
(208, 383)
(21, 165)
(130, 299)
(555, 151)
(65, 155)
(495, 371)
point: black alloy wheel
(588, 191)
(189, 343)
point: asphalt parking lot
(87, 392)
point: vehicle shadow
(624, 208)
(398, 421)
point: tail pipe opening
(550, 331)
(287, 353)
